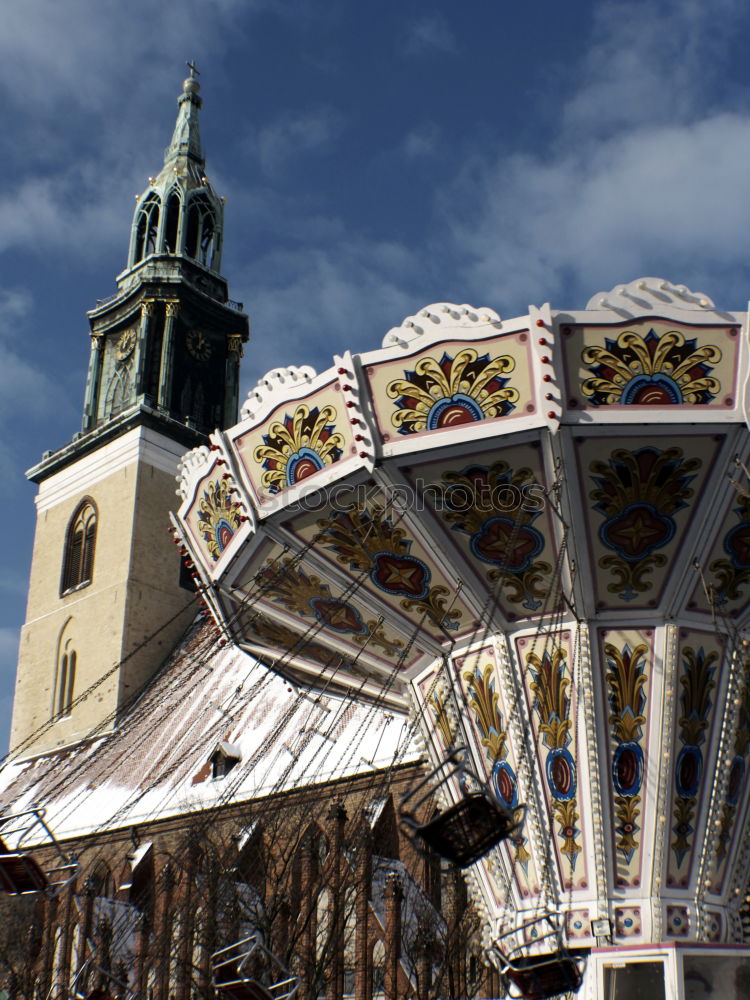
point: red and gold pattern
(453, 390)
(299, 446)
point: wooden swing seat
(538, 977)
(99, 994)
(235, 971)
(466, 831)
(20, 874)
(245, 989)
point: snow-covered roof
(158, 761)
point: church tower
(107, 599)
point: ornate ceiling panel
(641, 498)
(650, 363)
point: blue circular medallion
(504, 783)
(627, 769)
(689, 771)
(561, 774)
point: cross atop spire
(186, 140)
(193, 69)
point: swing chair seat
(538, 977)
(469, 828)
(99, 994)
(245, 989)
(235, 973)
(466, 831)
(20, 875)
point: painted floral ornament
(299, 446)
(651, 370)
(218, 518)
(454, 390)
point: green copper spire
(179, 213)
(186, 140)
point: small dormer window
(223, 759)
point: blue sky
(376, 158)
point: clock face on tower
(126, 343)
(198, 345)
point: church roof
(157, 763)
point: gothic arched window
(172, 221)
(147, 228)
(80, 542)
(202, 238)
(65, 672)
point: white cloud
(307, 304)
(643, 175)
(293, 134)
(54, 54)
(430, 33)
(26, 391)
(12, 583)
(611, 212)
(652, 62)
(15, 306)
(420, 141)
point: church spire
(179, 212)
(186, 139)
(169, 341)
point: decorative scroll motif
(369, 541)
(697, 682)
(305, 594)
(626, 679)
(281, 638)
(734, 572)
(737, 769)
(454, 390)
(484, 700)
(651, 371)
(504, 536)
(299, 446)
(436, 702)
(218, 516)
(552, 706)
(639, 492)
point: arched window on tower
(80, 543)
(147, 228)
(201, 235)
(119, 391)
(65, 674)
(172, 222)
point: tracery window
(201, 240)
(171, 223)
(147, 228)
(80, 543)
(66, 678)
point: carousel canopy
(537, 531)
